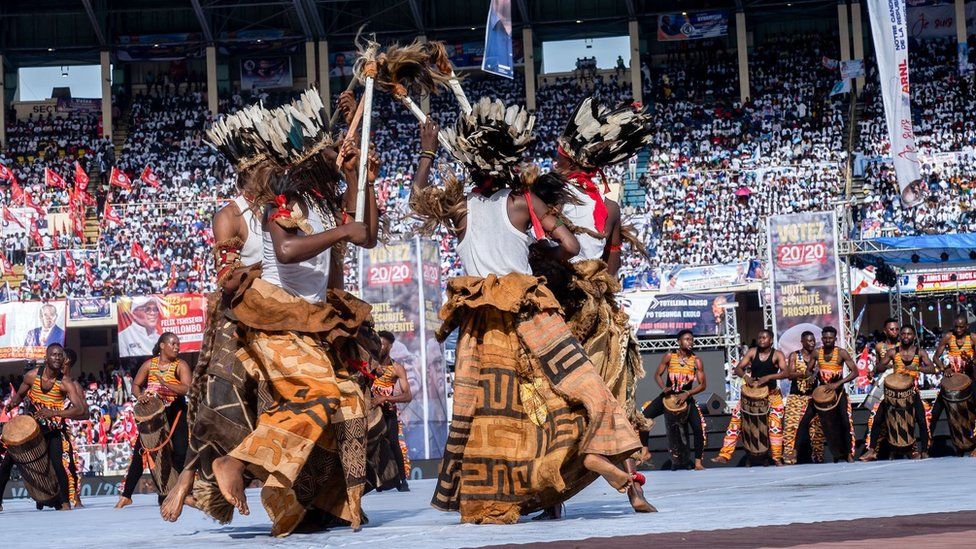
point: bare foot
(77, 503)
(637, 500)
(550, 513)
(173, 504)
(698, 465)
(616, 476)
(230, 478)
(64, 507)
(869, 455)
(720, 459)
(123, 502)
(923, 455)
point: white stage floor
(708, 500)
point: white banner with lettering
(891, 46)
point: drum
(26, 445)
(754, 407)
(150, 416)
(956, 393)
(827, 403)
(900, 395)
(678, 427)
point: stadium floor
(733, 507)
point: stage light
(948, 306)
(931, 308)
(50, 49)
(578, 21)
(915, 258)
(259, 40)
(155, 45)
(944, 256)
(972, 255)
(952, 277)
(684, 13)
(472, 28)
(962, 298)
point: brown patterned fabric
(502, 459)
(605, 332)
(310, 443)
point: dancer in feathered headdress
(509, 321)
(594, 138)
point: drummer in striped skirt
(53, 397)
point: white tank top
(253, 250)
(582, 216)
(492, 245)
(308, 279)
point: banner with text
(401, 280)
(667, 314)
(266, 72)
(704, 278)
(692, 26)
(28, 327)
(891, 47)
(89, 308)
(804, 276)
(143, 319)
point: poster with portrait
(498, 58)
(673, 27)
(28, 327)
(804, 276)
(89, 308)
(266, 72)
(667, 314)
(143, 319)
(402, 282)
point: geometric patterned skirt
(528, 404)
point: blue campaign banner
(92, 308)
(672, 27)
(498, 58)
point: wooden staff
(415, 110)
(459, 93)
(366, 111)
(335, 112)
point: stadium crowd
(714, 170)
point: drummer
(761, 365)
(167, 377)
(908, 359)
(54, 398)
(685, 378)
(961, 347)
(831, 360)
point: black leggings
(179, 443)
(393, 435)
(803, 445)
(55, 451)
(881, 416)
(656, 409)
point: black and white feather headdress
(236, 137)
(491, 141)
(597, 136)
(297, 131)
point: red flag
(5, 172)
(29, 202)
(78, 224)
(119, 179)
(52, 179)
(35, 234)
(81, 178)
(8, 268)
(149, 177)
(16, 192)
(9, 217)
(110, 215)
(89, 277)
(56, 283)
(69, 265)
(140, 254)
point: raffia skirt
(528, 404)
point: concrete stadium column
(742, 48)
(3, 105)
(106, 62)
(635, 67)
(310, 66)
(858, 37)
(425, 100)
(528, 52)
(845, 31)
(325, 90)
(960, 21)
(212, 102)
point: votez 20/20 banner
(401, 280)
(672, 27)
(27, 328)
(143, 319)
(804, 276)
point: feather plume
(598, 136)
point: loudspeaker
(711, 403)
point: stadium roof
(29, 27)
